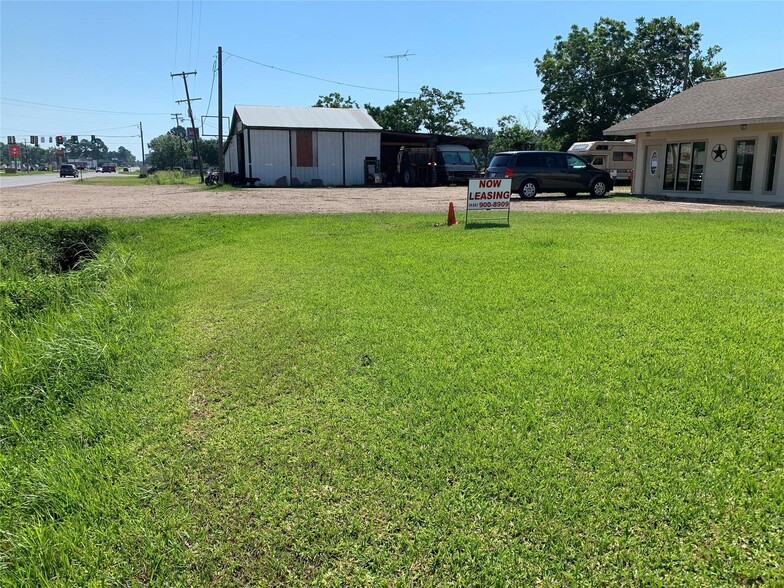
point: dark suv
(549, 171)
(68, 169)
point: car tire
(528, 189)
(599, 188)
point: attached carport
(392, 141)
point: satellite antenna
(398, 58)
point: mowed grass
(375, 400)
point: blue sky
(104, 67)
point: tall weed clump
(79, 340)
(167, 178)
(57, 317)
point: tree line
(40, 157)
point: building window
(773, 153)
(744, 162)
(697, 167)
(305, 153)
(683, 166)
(669, 166)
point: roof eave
(624, 131)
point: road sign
(14, 152)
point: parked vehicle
(69, 169)
(614, 157)
(212, 177)
(533, 172)
(432, 166)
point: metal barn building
(286, 145)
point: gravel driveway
(73, 200)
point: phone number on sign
(504, 204)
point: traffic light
(11, 140)
(74, 139)
(34, 140)
(92, 139)
(59, 139)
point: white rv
(615, 157)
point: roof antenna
(398, 58)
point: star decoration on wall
(719, 152)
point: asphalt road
(19, 180)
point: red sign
(13, 152)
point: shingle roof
(295, 117)
(750, 99)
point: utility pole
(190, 114)
(220, 115)
(398, 58)
(176, 116)
(686, 56)
(141, 133)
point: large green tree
(595, 78)
(404, 115)
(335, 100)
(122, 156)
(513, 136)
(434, 110)
(85, 150)
(664, 45)
(168, 151)
(441, 110)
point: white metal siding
(330, 158)
(358, 146)
(230, 160)
(269, 156)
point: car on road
(534, 172)
(68, 169)
(108, 169)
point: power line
(296, 73)
(313, 77)
(74, 108)
(176, 40)
(190, 37)
(398, 91)
(214, 75)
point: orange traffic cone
(451, 220)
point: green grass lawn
(372, 400)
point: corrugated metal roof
(297, 117)
(752, 99)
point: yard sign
(486, 195)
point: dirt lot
(71, 200)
